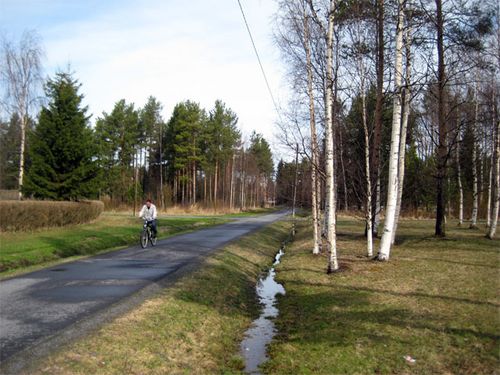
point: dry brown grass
(30, 215)
(9, 195)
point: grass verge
(194, 327)
(436, 301)
(20, 250)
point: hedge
(30, 215)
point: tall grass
(9, 195)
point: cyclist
(148, 212)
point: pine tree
(119, 140)
(62, 150)
(220, 139)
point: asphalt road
(37, 307)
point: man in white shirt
(148, 212)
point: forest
(197, 157)
(395, 111)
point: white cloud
(175, 51)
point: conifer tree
(62, 150)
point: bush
(30, 215)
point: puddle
(262, 330)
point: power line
(260, 62)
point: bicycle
(147, 235)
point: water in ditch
(262, 330)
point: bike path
(37, 306)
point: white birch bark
(475, 194)
(21, 152)
(496, 188)
(314, 140)
(368, 213)
(331, 235)
(392, 186)
(378, 206)
(459, 180)
(490, 184)
(404, 126)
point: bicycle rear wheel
(144, 238)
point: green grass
(436, 301)
(194, 327)
(19, 250)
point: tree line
(197, 157)
(394, 109)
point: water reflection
(262, 330)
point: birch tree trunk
(496, 173)
(377, 131)
(442, 153)
(490, 184)
(459, 180)
(392, 185)
(331, 239)
(404, 127)
(368, 213)
(21, 154)
(378, 205)
(231, 192)
(314, 140)
(475, 194)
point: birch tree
(20, 70)
(369, 231)
(459, 177)
(331, 236)
(376, 168)
(392, 186)
(314, 139)
(359, 50)
(475, 190)
(404, 126)
(496, 177)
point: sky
(172, 49)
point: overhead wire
(259, 60)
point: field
(436, 301)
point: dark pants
(152, 223)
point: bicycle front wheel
(152, 239)
(144, 238)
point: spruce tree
(9, 152)
(62, 151)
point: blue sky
(172, 49)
